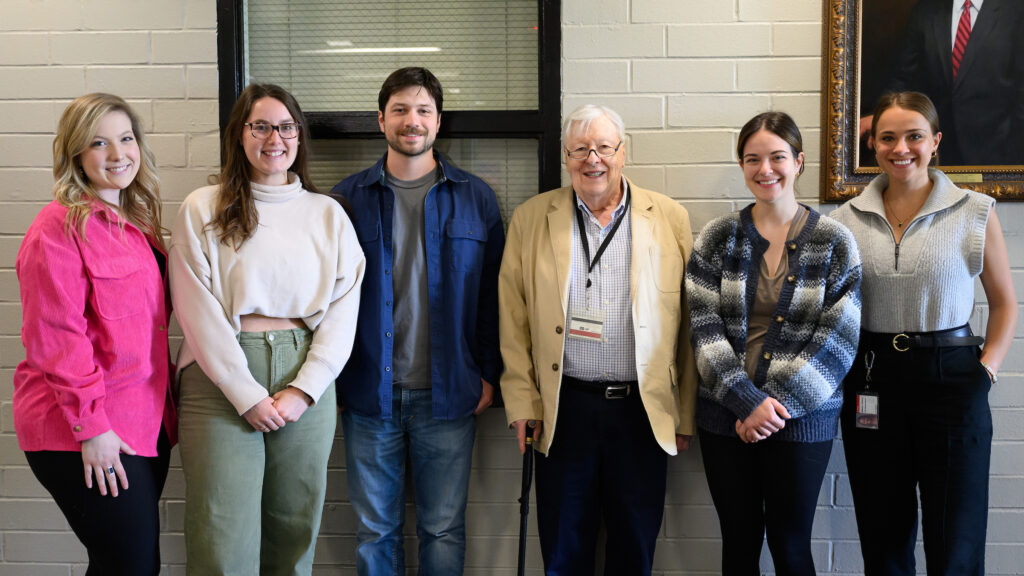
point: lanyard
(607, 239)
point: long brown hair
(236, 216)
(139, 201)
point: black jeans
(604, 462)
(121, 535)
(769, 485)
(934, 434)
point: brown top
(766, 299)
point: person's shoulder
(845, 214)
(463, 182)
(50, 221)
(834, 231)
(198, 207)
(356, 180)
(978, 199)
(541, 203)
(201, 197)
(719, 230)
(663, 202)
(830, 225)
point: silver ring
(110, 470)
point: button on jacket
(94, 327)
(464, 242)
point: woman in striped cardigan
(774, 293)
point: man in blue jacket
(426, 353)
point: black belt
(961, 336)
(610, 390)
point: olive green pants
(253, 500)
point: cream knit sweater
(304, 261)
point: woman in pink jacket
(91, 400)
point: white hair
(578, 121)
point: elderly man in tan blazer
(595, 341)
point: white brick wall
(685, 75)
(721, 63)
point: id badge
(587, 325)
(867, 410)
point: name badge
(586, 325)
(867, 410)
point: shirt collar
(958, 6)
(944, 194)
(618, 209)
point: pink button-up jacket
(95, 315)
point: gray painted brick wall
(684, 74)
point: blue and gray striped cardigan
(805, 356)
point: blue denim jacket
(464, 241)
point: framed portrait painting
(875, 46)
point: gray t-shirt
(411, 353)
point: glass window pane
(508, 166)
(334, 56)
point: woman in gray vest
(916, 412)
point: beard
(396, 143)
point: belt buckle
(616, 391)
(895, 342)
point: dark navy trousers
(772, 487)
(604, 464)
(934, 435)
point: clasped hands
(768, 418)
(273, 412)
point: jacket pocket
(466, 241)
(668, 270)
(118, 287)
(367, 230)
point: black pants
(934, 434)
(120, 534)
(604, 462)
(769, 485)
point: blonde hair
(139, 202)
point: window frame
(543, 124)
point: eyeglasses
(603, 151)
(262, 130)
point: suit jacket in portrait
(981, 112)
(533, 293)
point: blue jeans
(440, 452)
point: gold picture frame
(843, 176)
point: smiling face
(904, 144)
(595, 178)
(111, 161)
(270, 158)
(410, 121)
(769, 167)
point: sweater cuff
(313, 379)
(743, 398)
(242, 390)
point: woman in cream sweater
(265, 274)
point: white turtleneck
(303, 261)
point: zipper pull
(897, 256)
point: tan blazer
(533, 293)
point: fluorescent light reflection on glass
(393, 50)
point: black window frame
(543, 124)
